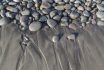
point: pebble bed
(33, 14)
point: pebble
(100, 14)
(64, 19)
(74, 15)
(72, 0)
(86, 13)
(84, 19)
(100, 7)
(57, 18)
(100, 23)
(17, 0)
(43, 19)
(4, 21)
(51, 23)
(10, 15)
(12, 9)
(35, 26)
(71, 37)
(80, 8)
(73, 26)
(57, 1)
(97, 1)
(59, 7)
(64, 23)
(53, 13)
(55, 39)
(35, 15)
(25, 12)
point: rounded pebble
(71, 37)
(74, 15)
(51, 23)
(100, 14)
(55, 39)
(35, 26)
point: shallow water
(85, 53)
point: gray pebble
(25, 12)
(29, 5)
(57, 18)
(4, 21)
(67, 6)
(53, 13)
(71, 37)
(80, 8)
(84, 19)
(72, 0)
(97, 1)
(43, 19)
(12, 3)
(35, 15)
(100, 23)
(55, 39)
(59, 7)
(57, 1)
(64, 23)
(12, 9)
(100, 14)
(10, 15)
(74, 15)
(35, 26)
(64, 19)
(51, 23)
(17, 0)
(86, 13)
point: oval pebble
(17, 0)
(74, 15)
(73, 26)
(4, 21)
(55, 39)
(25, 12)
(12, 9)
(59, 7)
(35, 26)
(24, 20)
(51, 23)
(100, 7)
(86, 13)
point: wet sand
(85, 53)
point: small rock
(100, 14)
(100, 23)
(64, 19)
(84, 19)
(72, 0)
(78, 2)
(35, 26)
(57, 18)
(43, 19)
(24, 20)
(71, 37)
(67, 6)
(29, 5)
(51, 23)
(12, 3)
(80, 8)
(86, 13)
(59, 7)
(74, 15)
(64, 23)
(72, 26)
(53, 13)
(57, 1)
(35, 15)
(12, 9)
(55, 39)
(45, 5)
(4, 21)
(25, 12)
(17, 0)
(10, 15)
(97, 1)
(100, 7)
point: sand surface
(85, 53)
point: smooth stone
(12, 3)
(59, 7)
(46, 11)
(55, 39)
(29, 5)
(97, 1)
(64, 19)
(1, 6)
(4, 21)
(102, 19)
(86, 13)
(25, 12)
(17, 0)
(67, 6)
(78, 1)
(100, 23)
(66, 1)
(100, 14)
(24, 20)
(53, 13)
(74, 15)
(80, 8)
(35, 15)
(35, 26)
(45, 5)
(73, 26)
(84, 19)
(72, 0)
(57, 1)
(71, 37)
(10, 15)
(51, 23)
(43, 19)
(102, 2)
(100, 7)
(12, 9)
(2, 13)
(57, 18)
(64, 23)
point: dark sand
(85, 53)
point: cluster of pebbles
(35, 14)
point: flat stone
(100, 23)
(57, 1)
(72, 26)
(51, 23)
(12, 9)
(86, 13)
(64, 23)
(17, 0)
(100, 14)
(80, 8)
(57, 18)
(4, 21)
(84, 19)
(71, 37)
(43, 19)
(59, 7)
(53, 13)
(35, 15)
(35, 26)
